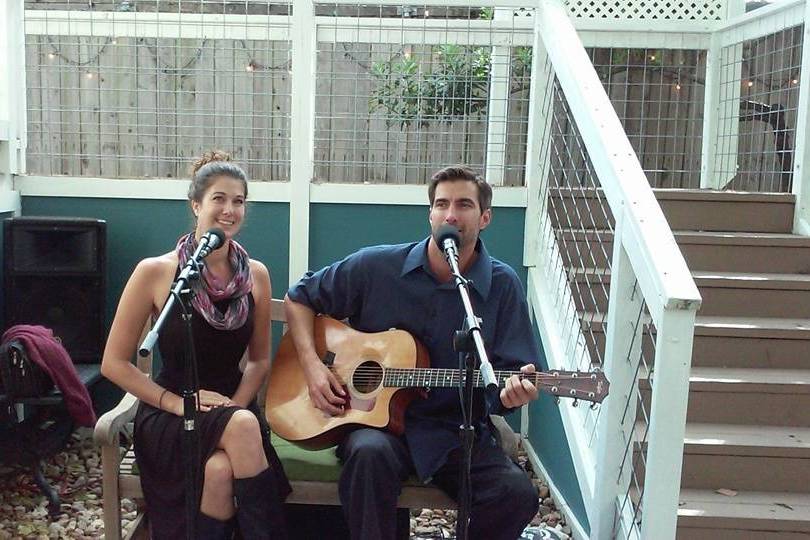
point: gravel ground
(76, 473)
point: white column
(537, 148)
(670, 395)
(801, 159)
(302, 136)
(711, 112)
(618, 415)
(13, 132)
(498, 106)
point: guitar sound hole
(367, 377)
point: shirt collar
(480, 273)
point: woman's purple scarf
(209, 289)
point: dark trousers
(375, 463)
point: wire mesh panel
(577, 230)
(636, 413)
(582, 224)
(658, 95)
(404, 90)
(759, 94)
(139, 90)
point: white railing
(12, 103)
(610, 289)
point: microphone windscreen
(216, 237)
(447, 232)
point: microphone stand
(181, 295)
(469, 344)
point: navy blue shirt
(383, 287)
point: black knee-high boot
(209, 528)
(259, 510)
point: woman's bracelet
(160, 401)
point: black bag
(20, 377)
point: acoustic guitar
(381, 373)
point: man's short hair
(465, 174)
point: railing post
(709, 177)
(302, 136)
(498, 105)
(538, 139)
(801, 161)
(13, 130)
(618, 414)
(670, 395)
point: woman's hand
(210, 400)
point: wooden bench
(313, 475)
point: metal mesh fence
(759, 94)
(658, 95)
(402, 91)
(134, 94)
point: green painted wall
(340, 229)
(547, 436)
(143, 228)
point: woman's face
(222, 205)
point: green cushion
(314, 465)
(311, 465)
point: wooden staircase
(746, 465)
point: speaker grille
(55, 276)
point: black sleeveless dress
(159, 434)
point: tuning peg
(575, 403)
(594, 406)
(557, 400)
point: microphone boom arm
(471, 324)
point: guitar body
(358, 360)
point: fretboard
(443, 378)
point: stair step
(733, 342)
(761, 327)
(723, 293)
(719, 251)
(774, 397)
(702, 210)
(736, 439)
(743, 457)
(705, 514)
(745, 380)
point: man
(409, 287)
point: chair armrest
(112, 422)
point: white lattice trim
(697, 10)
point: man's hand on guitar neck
(324, 389)
(518, 392)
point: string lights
(250, 66)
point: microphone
(448, 240)
(211, 240)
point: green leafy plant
(457, 86)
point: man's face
(456, 203)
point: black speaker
(55, 275)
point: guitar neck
(445, 378)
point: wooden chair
(313, 475)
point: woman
(231, 313)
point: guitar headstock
(590, 386)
